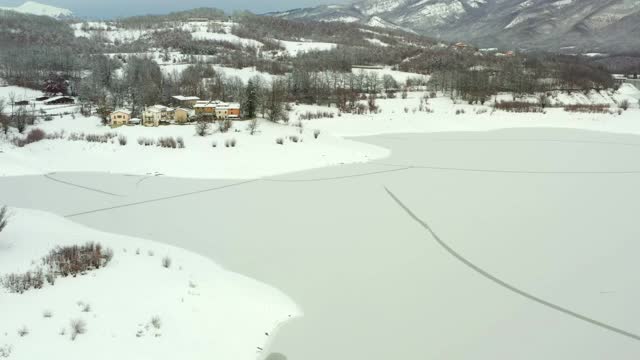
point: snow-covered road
(552, 212)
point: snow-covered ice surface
(204, 310)
(541, 210)
(550, 211)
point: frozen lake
(549, 212)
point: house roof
(56, 98)
(122, 111)
(158, 108)
(186, 98)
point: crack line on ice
(339, 177)
(498, 171)
(160, 199)
(502, 283)
(48, 176)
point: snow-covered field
(259, 155)
(253, 156)
(204, 311)
(400, 76)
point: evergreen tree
(251, 100)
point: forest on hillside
(40, 52)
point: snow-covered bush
(143, 141)
(316, 133)
(23, 331)
(166, 262)
(518, 106)
(624, 105)
(294, 138)
(5, 351)
(33, 136)
(74, 260)
(4, 217)
(225, 125)
(590, 108)
(203, 128)
(78, 327)
(280, 141)
(19, 283)
(122, 140)
(180, 142)
(47, 314)
(230, 142)
(156, 322)
(167, 142)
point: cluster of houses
(189, 109)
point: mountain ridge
(605, 25)
(36, 8)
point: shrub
(230, 142)
(74, 260)
(166, 262)
(78, 327)
(203, 128)
(316, 133)
(146, 141)
(225, 125)
(122, 140)
(518, 107)
(309, 115)
(47, 314)
(214, 144)
(33, 136)
(19, 283)
(23, 331)
(180, 142)
(76, 136)
(280, 141)
(624, 105)
(156, 322)
(62, 261)
(96, 138)
(4, 217)
(584, 108)
(167, 142)
(460, 111)
(86, 307)
(253, 126)
(5, 351)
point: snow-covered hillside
(35, 8)
(135, 307)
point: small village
(187, 109)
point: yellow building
(183, 115)
(120, 117)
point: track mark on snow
(502, 283)
(48, 176)
(340, 177)
(160, 199)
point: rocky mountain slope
(602, 25)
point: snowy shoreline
(187, 299)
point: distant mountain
(35, 8)
(605, 25)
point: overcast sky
(114, 8)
